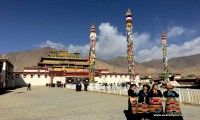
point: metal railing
(190, 96)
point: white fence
(191, 96)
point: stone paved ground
(61, 104)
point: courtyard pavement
(44, 103)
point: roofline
(6, 60)
(81, 58)
(116, 74)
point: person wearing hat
(172, 106)
(170, 92)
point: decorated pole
(165, 62)
(129, 33)
(92, 53)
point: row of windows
(81, 61)
(111, 76)
(24, 76)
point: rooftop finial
(128, 12)
(92, 26)
(163, 34)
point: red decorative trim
(35, 68)
(32, 73)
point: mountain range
(186, 65)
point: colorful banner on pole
(92, 53)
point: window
(31, 76)
(1, 65)
(45, 76)
(38, 76)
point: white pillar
(3, 79)
(180, 96)
(198, 96)
(120, 91)
(188, 95)
(4, 66)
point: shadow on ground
(130, 116)
(8, 90)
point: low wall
(191, 96)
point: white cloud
(111, 43)
(149, 54)
(188, 48)
(175, 31)
(49, 43)
(84, 50)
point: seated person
(144, 95)
(132, 92)
(154, 92)
(170, 92)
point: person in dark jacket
(171, 95)
(29, 87)
(154, 95)
(170, 92)
(80, 86)
(76, 86)
(154, 92)
(85, 86)
(144, 95)
(132, 92)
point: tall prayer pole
(92, 53)
(165, 60)
(129, 34)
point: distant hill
(185, 65)
(176, 63)
(26, 58)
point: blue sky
(31, 24)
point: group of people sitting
(148, 100)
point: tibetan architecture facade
(6, 73)
(57, 67)
(104, 76)
(61, 67)
(64, 61)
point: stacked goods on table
(142, 108)
(172, 106)
(155, 105)
(133, 101)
